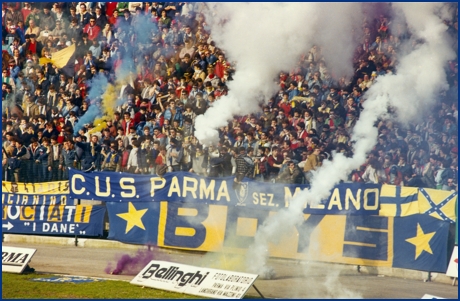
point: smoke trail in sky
(265, 38)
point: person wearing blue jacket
(174, 113)
(41, 161)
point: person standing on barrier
(152, 156)
(215, 162)
(291, 175)
(67, 159)
(312, 163)
(244, 167)
(34, 148)
(133, 159)
(186, 163)
(174, 155)
(199, 159)
(14, 163)
(28, 163)
(112, 159)
(275, 161)
(23, 155)
(91, 153)
(54, 159)
(41, 160)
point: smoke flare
(132, 265)
(279, 34)
(265, 38)
(412, 88)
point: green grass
(19, 286)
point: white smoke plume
(418, 78)
(265, 38)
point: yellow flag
(438, 203)
(398, 201)
(59, 58)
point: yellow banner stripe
(388, 191)
(371, 229)
(361, 244)
(182, 231)
(387, 210)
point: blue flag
(420, 243)
(134, 222)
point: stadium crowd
(166, 70)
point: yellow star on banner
(421, 241)
(133, 217)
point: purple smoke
(132, 265)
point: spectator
(312, 163)
(26, 10)
(55, 160)
(413, 180)
(47, 19)
(33, 28)
(83, 16)
(320, 108)
(374, 172)
(244, 165)
(41, 161)
(393, 175)
(101, 19)
(174, 155)
(68, 158)
(91, 152)
(443, 175)
(291, 175)
(275, 161)
(92, 29)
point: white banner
(14, 260)
(428, 296)
(452, 269)
(192, 280)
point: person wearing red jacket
(113, 19)
(275, 161)
(110, 7)
(92, 29)
(137, 116)
(127, 123)
(220, 66)
(26, 10)
(284, 104)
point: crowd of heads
(141, 73)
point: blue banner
(52, 218)
(360, 224)
(353, 198)
(415, 242)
